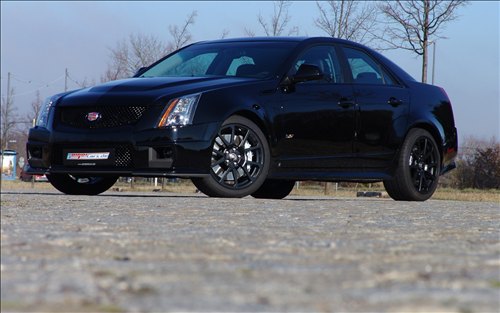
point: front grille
(105, 116)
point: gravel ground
(156, 252)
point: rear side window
(365, 70)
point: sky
(39, 40)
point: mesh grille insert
(105, 116)
(123, 156)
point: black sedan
(250, 117)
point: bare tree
(349, 20)
(478, 165)
(487, 167)
(181, 35)
(248, 32)
(85, 82)
(414, 24)
(224, 33)
(9, 117)
(142, 50)
(276, 26)
(35, 108)
(130, 55)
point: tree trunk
(425, 40)
(424, 63)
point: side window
(365, 70)
(323, 57)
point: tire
(78, 185)
(240, 160)
(418, 168)
(274, 189)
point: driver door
(316, 118)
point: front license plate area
(88, 157)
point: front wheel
(419, 167)
(79, 185)
(239, 162)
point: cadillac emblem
(93, 116)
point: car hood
(147, 91)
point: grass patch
(60, 307)
(475, 195)
(495, 283)
(312, 189)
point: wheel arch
(435, 133)
(257, 119)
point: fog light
(35, 152)
(164, 153)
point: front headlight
(43, 115)
(179, 111)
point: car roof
(316, 40)
(279, 39)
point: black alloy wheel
(419, 167)
(423, 166)
(81, 185)
(239, 162)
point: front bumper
(172, 152)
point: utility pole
(8, 85)
(7, 106)
(66, 79)
(4, 140)
(433, 59)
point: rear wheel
(274, 189)
(239, 162)
(419, 166)
(81, 185)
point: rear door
(382, 107)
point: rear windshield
(242, 59)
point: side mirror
(307, 72)
(140, 71)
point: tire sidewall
(410, 141)
(65, 184)
(274, 189)
(211, 187)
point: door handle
(394, 102)
(345, 103)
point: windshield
(242, 59)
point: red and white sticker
(87, 156)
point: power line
(44, 84)
(19, 80)
(31, 81)
(82, 85)
(41, 86)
